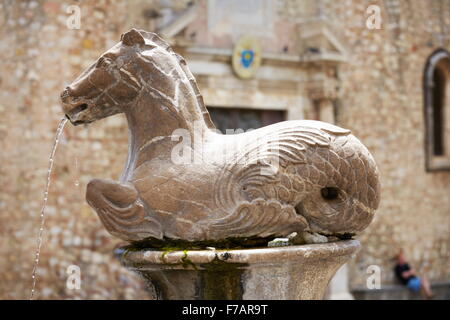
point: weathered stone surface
(292, 176)
(294, 273)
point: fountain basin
(293, 272)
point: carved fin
(121, 210)
(261, 217)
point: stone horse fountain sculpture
(187, 186)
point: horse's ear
(132, 37)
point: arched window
(437, 110)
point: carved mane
(183, 65)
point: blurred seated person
(408, 277)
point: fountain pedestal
(292, 272)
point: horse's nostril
(64, 96)
(66, 92)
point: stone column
(338, 287)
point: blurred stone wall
(382, 103)
(39, 56)
(380, 99)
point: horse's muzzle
(73, 107)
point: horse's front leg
(121, 210)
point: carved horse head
(140, 64)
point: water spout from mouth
(59, 131)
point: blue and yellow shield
(246, 57)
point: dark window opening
(438, 101)
(436, 110)
(237, 118)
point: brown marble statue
(184, 180)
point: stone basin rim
(151, 257)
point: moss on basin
(169, 245)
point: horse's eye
(102, 62)
(329, 193)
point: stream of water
(41, 229)
(77, 181)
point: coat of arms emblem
(246, 57)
